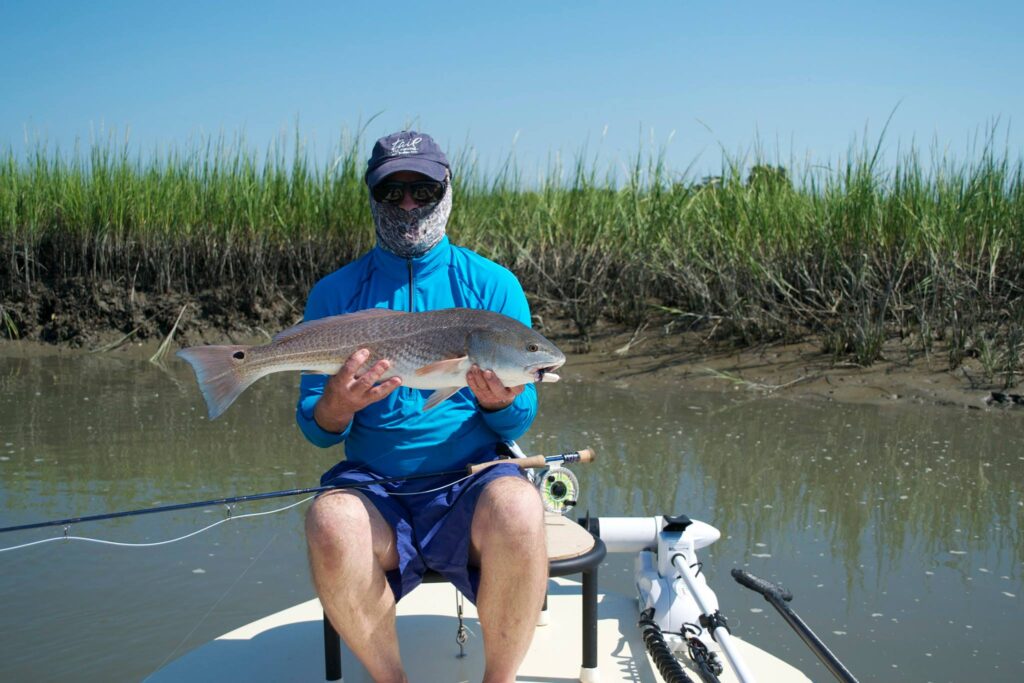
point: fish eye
(533, 347)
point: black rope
(707, 664)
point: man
(485, 534)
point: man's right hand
(346, 393)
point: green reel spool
(559, 490)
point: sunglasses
(421, 191)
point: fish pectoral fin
(439, 396)
(448, 370)
(450, 366)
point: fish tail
(220, 373)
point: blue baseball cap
(406, 151)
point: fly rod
(585, 455)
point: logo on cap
(405, 146)
(407, 150)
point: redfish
(428, 350)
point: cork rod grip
(584, 455)
(587, 455)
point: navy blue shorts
(431, 518)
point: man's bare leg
(350, 547)
(508, 544)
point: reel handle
(536, 461)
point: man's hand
(346, 393)
(490, 393)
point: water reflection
(85, 437)
(898, 480)
(899, 527)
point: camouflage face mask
(411, 234)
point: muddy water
(898, 529)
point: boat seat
(572, 549)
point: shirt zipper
(412, 285)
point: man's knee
(339, 521)
(509, 508)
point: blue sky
(805, 79)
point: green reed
(852, 254)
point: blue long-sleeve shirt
(395, 436)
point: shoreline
(797, 371)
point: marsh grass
(852, 254)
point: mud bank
(76, 313)
(797, 371)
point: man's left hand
(489, 390)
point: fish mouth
(546, 373)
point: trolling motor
(678, 610)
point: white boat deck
(288, 646)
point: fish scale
(390, 338)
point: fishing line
(225, 594)
(155, 543)
(226, 501)
(443, 486)
(584, 455)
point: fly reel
(559, 489)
